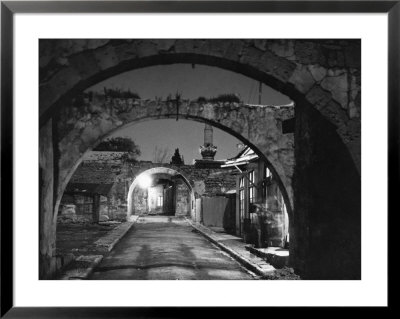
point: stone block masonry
(326, 72)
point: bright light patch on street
(144, 180)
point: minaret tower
(208, 150)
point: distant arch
(156, 170)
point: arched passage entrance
(322, 78)
(178, 195)
(257, 126)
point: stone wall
(104, 173)
(47, 222)
(140, 201)
(83, 206)
(326, 226)
(183, 201)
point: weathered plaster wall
(117, 205)
(219, 212)
(196, 212)
(139, 201)
(154, 192)
(182, 199)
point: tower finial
(208, 150)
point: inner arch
(149, 172)
(276, 167)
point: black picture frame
(9, 8)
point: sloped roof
(245, 156)
(97, 173)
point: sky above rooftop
(191, 82)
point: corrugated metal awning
(236, 163)
(240, 161)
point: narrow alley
(167, 248)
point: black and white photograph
(200, 159)
(164, 159)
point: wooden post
(238, 221)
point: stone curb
(107, 242)
(274, 259)
(256, 268)
(84, 265)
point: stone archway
(322, 77)
(323, 74)
(257, 126)
(156, 170)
